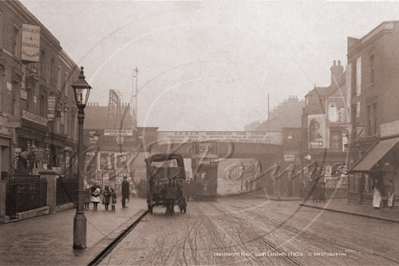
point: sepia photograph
(199, 132)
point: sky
(207, 66)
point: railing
(24, 194)
(67, 191)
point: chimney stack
(337, 72)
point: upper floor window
(16, 45)
(59, 79)
(43, 63)
(372, 119)
(43, 105)
(66, 86)
(336, 140)
(353, 78)
(1, 29)
(53, 71)
(371, 69)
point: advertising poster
(107, 161)
(121, 160)
(336, 112)
(316, 130)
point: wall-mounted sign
(51, 108)
(289, 157)
(30, 43)
(221, 136)
(112, 132)
(34, 118)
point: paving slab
(367, 211)
(48, 239)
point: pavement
(48, 239)
(337, 204)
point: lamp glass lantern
(81, 90)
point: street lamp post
(81, 91)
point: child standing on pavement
(86, 198)
(113, 198)
(107, 197)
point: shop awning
(373, 156)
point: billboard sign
(316, 130)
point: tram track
(256, 236)
(355, 251)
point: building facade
(325, 127)
(373, 64)
(286, 114)
(37, 108)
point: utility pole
(268, 113)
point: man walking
(125, 191)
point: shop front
(381, 163)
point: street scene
(199, 133)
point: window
(369, 120)
(16, 47)
(353, 78)
(353, 119)
(59, 78)
(372, 119)
(66, 87)
(1, 29)
(372, 69)
(30, 94)
(66, 121)
(73, 135)
(62, 123)
(336, 140)
(374, 113)
(15, 93)
(43, 105)
(52, 78)
(43, 64)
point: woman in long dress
(391, 195)
(377, 195)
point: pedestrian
(86, 198)
(113, 198)
(246, 185)
(125, 191)
(107, 197)
(95, 195)
(377, 201)
(391, 195)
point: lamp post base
(79, 231)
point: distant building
(287, 114)
(112, 143)
(373, 64)
(252, 126)
(325, 125)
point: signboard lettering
(220, 136)
(30, 43)
(34, 118)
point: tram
(204, 163)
